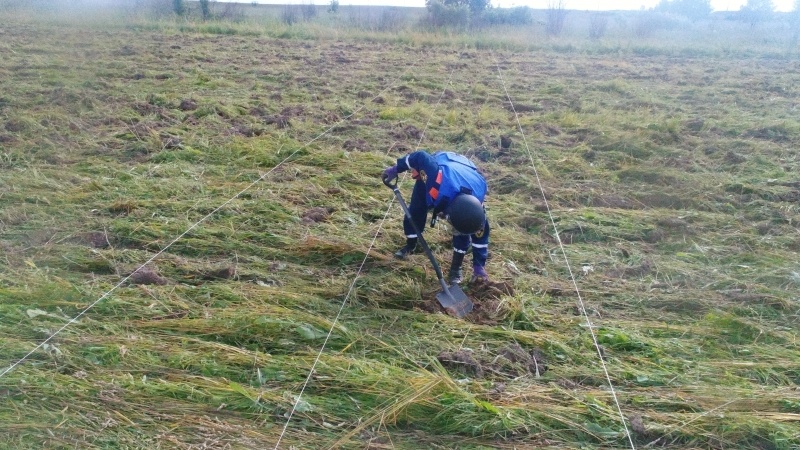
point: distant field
(240, 160)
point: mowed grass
(244, 169)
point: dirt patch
(509, 362)
(187, 105)
(356, 144)
(315, 215)
(515, 361)
(407, 132)
(171, 316)
(279, 121)
(547, 129)
(485, 296)
(663, 200)
(529, 222)
(754, 298)
(461, 361)
(246, 130)
(610, 201)
(220, 273)
(366, 122)
(632, 271)
(560, 291)
(673, 223)
(734, 158)
(15, 126)
(293, 111)
(520, 108)
(146, 275)
(147, 109)
(95, 239)
(490, 290)
(171, 142)
(505, 142)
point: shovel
(452, 298)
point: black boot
(409, 248)
(455, 276)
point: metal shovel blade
(454, 299)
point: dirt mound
(317, 214)
(509, 362)
(485, 296)
(146, 275)
(461, 361)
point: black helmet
(465, 213)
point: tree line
(465, 13)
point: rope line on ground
(581, 305)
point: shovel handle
(389, 184)
(425, 247)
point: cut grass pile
(672, 181)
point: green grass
(668, 164)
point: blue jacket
(446, 174)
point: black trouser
(418, 208)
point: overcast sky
(593, 5)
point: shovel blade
(455, 300)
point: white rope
(564, 254)
(352, 285)
(180, 236)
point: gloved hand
(479, 273)
(389, 174)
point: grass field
(196, 248)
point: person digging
(451, 185)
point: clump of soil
(221, 273)
(505, 142)
(314, 215)
(548, 129)
(486, 296)
(279, 121)
(610, 201)
(412, 132)
(407, 132)
(734, 158)
(528, 222)
(516, 361)
(636, 271)
(355, 144)
(461, 361)
(15, 126)
(510, 362)
(293, 111)
(94, 239)
(171, 142)
(187, 104)
(146, 275)
(247, 131)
